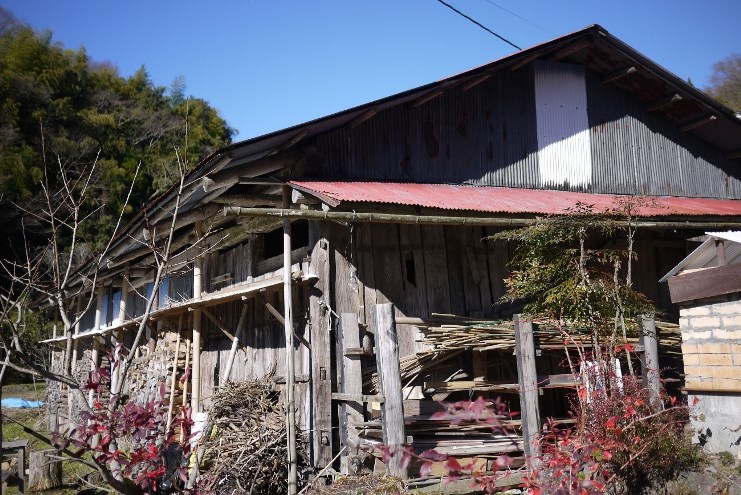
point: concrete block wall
(711, 345)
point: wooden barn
(371, 221)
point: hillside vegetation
(60, 108)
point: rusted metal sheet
(505, 200)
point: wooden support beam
(290, 364)
(195, 396)
(522, 63)
(720, 251)
(427, 97)
(96, 341)
(362, 217)
(367, 115)
(389, 377)
(295, 139)
(650, 366)
(235, 343)
(694, 124)
(663, 102)
(249, 200)
(475, 81)
(357, 397)
(276, 314)
(571, 49)
(299, 198)
(528, 381)
(619, 74)
(321, 349)
(352, 385)
(218, 324)
(705, 283)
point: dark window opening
(411, 270)
(274, 239)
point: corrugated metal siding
(511, 127)
(482, 136)
(488, 136)
(638, 152)
(562, 126)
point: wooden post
(173, 383)
(389, 377)
(650, 341)
(44, 470)
(117, 337)
(195, 380)
(528, 380)
(321, 353)
(288, 327)
(96, 340)
(352, 384)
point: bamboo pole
(173, 385)
(195, 384)
(96, 340)
(235, 343)
(351, 216)
(288, 327)
(185, 384)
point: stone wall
(711, 345)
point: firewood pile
(247, 451)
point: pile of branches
(247, 451)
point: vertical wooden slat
(454, 271)
(352, 383)
(415, 282)
(482, 266)
(366, 272)
(387, 262)
(321, 356)
(528, 381)
(389, 376)
(650, 341)
(436, 269)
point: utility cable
(478, 24)
(520, 17)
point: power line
(478, 24)
(522, 18)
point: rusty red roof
(505, 199)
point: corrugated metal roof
(706, 255)
(504, 199)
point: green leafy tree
(59, 108)
(563, 274)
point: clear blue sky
(269, 64)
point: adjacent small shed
(707, 287)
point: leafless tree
(56, 278)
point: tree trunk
(44, 470)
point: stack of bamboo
(247, 453)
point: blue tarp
(14, 402)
